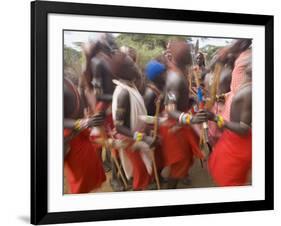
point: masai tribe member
(234, 60)
(96, 82)
(127, 106)
(82, 163)
(230, 161)
(140, 80)
(179, 141)
(98, 88)
(200, 66)
(220, 94)
(155, 72)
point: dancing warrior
(127, 106)
(179, 141)
(82, 164)
(231, 159)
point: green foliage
(72, 62)
(147, 46)
(71, 57)
(209, 51)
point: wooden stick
(215, 86)
(120, 171)
(204, 126)
(189, 76)
(158, 102)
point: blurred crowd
(148, 125)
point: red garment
(178, 149)
(159, 157)
(231, 159)
(104, 130)
(141, 178)
(83, 166)
(67, 132)
(237, 79)
(101, 106)
(222, 109)
(106, 107)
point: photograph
(154, 112)
(147, 112)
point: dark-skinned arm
(149, 101)
(96, 120)
(173, 112)
(242, 127)
(68, 123)
(123, 105)
(236, 127)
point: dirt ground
(198, 178)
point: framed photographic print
(145, 112)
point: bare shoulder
(174, 80)
(149, 93)
(243, 94)
(124, 94)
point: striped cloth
(236, 81)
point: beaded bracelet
(180, 118)
(185, 118)
(220, 121)
(188, 119)
(138, 136)
(77, 125)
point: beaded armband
(77, 125)
(138, 136)
(219, 120)
(185, 118)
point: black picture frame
(39, 112)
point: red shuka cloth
(82, 165)
(237, 79)
(141, 178)
(159, 157)
(108, 122)
(178, 149)
(231, 159)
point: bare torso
(177, 85)
(102, 74)
(225, 81)
(149, 100)
(123, 108)
(241, 107)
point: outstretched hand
(96, 120)
(199, 117)
(210, 115)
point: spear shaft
(156, 124)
